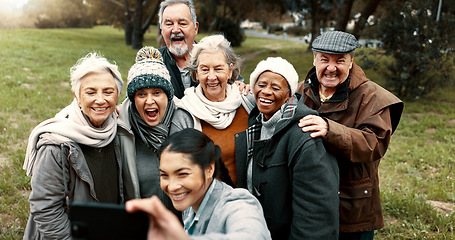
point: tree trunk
(367, 11)
(149, 20)
(345, 15)
(128, 26)
(317, 17)
(138, 37)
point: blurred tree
(421, 46)
(58, 13)
(134, 16)
(345, 15)
(368, 10)
(225, 16)
(319, 12)
(334, 13)
(141, 21)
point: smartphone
(93, 220)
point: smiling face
(98, 97)
(151, 104)
(271, 91)
(178, 29)
(213, 73)
(183, 181)
(332, 69)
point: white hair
(93, 63)
(215, 43)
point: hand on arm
(314, 123)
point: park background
(416, 175)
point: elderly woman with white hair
(290, 173)
(74, 156)
(220, 110)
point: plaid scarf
(253, 132)
(153, 137)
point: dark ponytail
(200, 149)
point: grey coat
(59, 165)
(230, 214)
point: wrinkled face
(151, 104)
(98, 97)
(332, 69)
(213, 73)
(271, 91)
(178, 29)
(183, 181)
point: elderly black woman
(292, 175)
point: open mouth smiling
(151, 113)
(178, 38)
(265, 101)
(331, 75)
(180, 196)
(100, 109)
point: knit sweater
(225, 138)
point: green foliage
(231, 30)
(297, 30)
(420, 46)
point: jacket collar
(340, 95)
(123, 118)
(167, 54)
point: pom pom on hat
(149, 71)
(149, 53)
(276, 65)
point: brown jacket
(361, 117)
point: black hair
(200, 149)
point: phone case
(106, 221)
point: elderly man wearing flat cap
(356, 120)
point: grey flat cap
(335, 42)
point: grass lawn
(34, 85)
